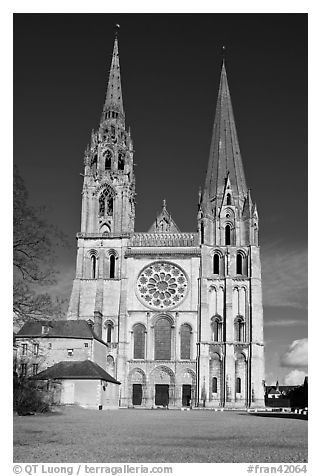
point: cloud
(284, 276)
(296, 354)
(295, 377)
(285, 323)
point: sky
(170, 69)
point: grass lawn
(151, 436)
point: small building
(83, 383)
(277, 395)
(42, 344)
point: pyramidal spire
(113, 107)
(225, 156)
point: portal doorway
(186, 395)
(161, 395)
(137, 393)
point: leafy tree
(34, 245)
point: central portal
(161, 395)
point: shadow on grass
(292, 416)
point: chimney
(98, 320)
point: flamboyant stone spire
(225, 156)
(113, 107)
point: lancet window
(106, 203)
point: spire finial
(117, 26)
(164, 203)
(223, 53)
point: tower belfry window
(227, 235)
(108, 158)
(106, 203)
(216, 263)
(228, 199)
(239, 263)
(112, 266)
(121, 161)
(93, 266)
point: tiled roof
(77, 329)
(85, 369)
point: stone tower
(231, 351)
(108, 214)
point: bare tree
(34, 245)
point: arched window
(93, 260)
(163, 339)
(238, 386)
(216, 263)
(239, 326)
(186, 332)
(227, 235)
(108, 158)
(217, 328)
(214, 385)
(106, 204)
(109, 331)
(121, 160)
(228, 199)
(139, 333)
(239, 263)
(112, 266)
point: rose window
(162, 285)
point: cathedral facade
(181, 313)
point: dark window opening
(214, 385)
(239, 263)
(228, 199)
(227, 235)
(238, 385)
(112, 266)
(109, 332)
(121, 161)
(93, 266)
(216, 264)
(34, 369)
(108, 160)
